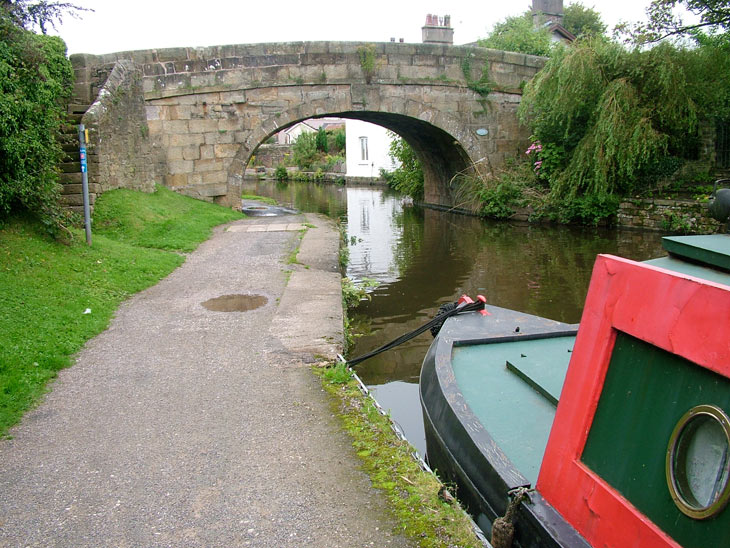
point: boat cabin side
(639, 451)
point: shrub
(408, 177)
(281, 173)
(304, 150)
(340, 141)
(35, 79)
(321, 140)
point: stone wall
(272, 155)
(121, 153)
(667, 215)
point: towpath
(183, 426)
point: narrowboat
(614, 432)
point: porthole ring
(689, 473)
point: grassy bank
(415, 495)
(57, 296)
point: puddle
(257, 210)
(235, 303)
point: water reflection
(373, 235)
(424, 258)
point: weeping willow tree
(610, 120)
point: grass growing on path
(412, 492)
(47, 286)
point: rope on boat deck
(465, 304)
(503, 529)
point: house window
(363, 149)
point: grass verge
(56, 296)
(161, 220)
(413, 493)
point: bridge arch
(438, 139)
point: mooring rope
(465, 304)
(503, 529)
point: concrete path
(181, 426)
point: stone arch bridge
(192, 117)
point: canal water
(423, 258)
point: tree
(408, 176)
(582, 21)
(321, 140)
(518, 33)
(714, 16)
(35, 79)
(610, 119)
(39, 13)
(304, 149)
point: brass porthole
(698, 462)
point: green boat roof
(513, 388)
(706, 257)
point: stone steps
(70, 165)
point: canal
(423, 258)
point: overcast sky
(145, 24)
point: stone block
(94, 188)
(175, 153)
(179, 166)
(226, 150)
(182, 140)
(215, 164)
(231, 78)
(199, 81)
(174, 127)
(425, 60)
(211, 190)
(206, 152)
(336, 73)
(241, 136)
(153, 112)
(316, 47)
(514, 58)
(191, 152)
(175, 181)
(76, 199)
(396, 48)
(233, 97)
(180, 112)
(203, 125)
(228, 124)
(215, 177)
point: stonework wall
(209, 108)
(121, 153)
(667, 216)
(272, 155)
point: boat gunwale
(539, 515)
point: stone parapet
(120, 151)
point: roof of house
(561, 31)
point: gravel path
(182, 426)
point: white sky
(147, 24)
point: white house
(367, 149)
(290, 134)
